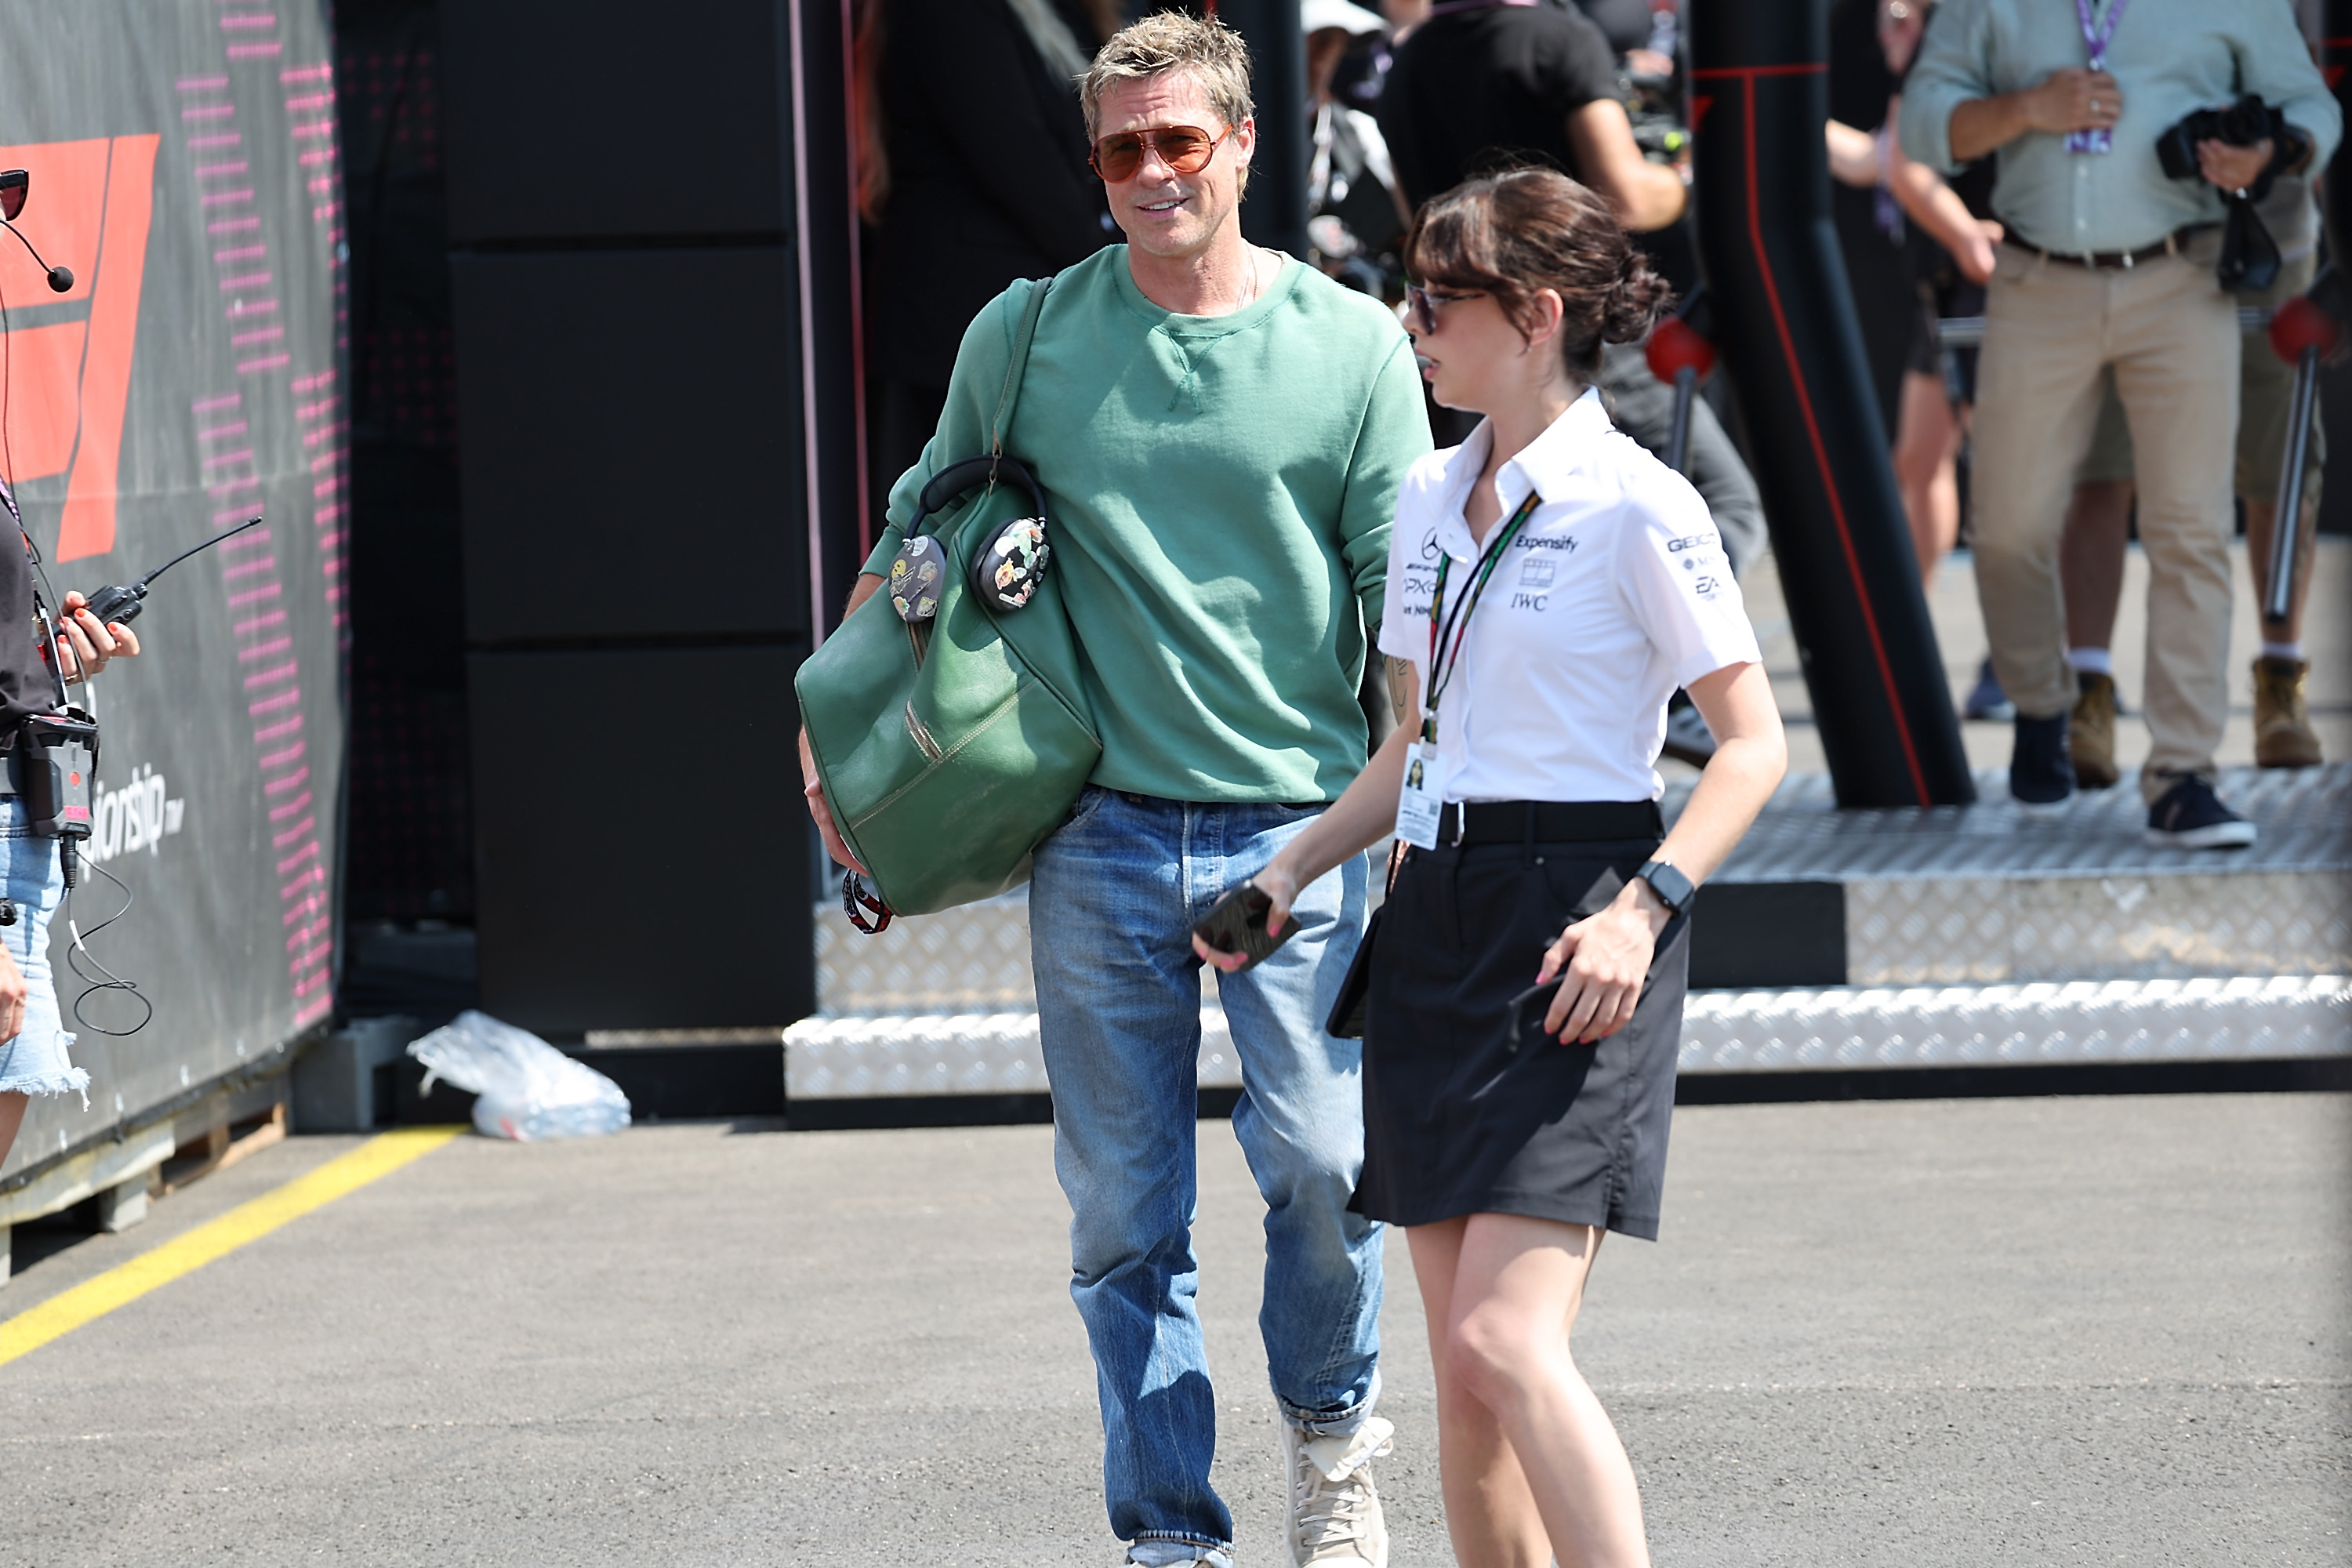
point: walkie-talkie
(121, 604)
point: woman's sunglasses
(1185, 149)
(1422, 304)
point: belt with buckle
(2116, 260)
(1466, 825)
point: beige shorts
(2266, 396)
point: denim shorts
(39, 1060)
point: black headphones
(1004, 572)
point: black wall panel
(1749, 936)
(410, 849)
(605, 119)
(632, 452)
(632, 346)
(640, 843)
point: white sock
(2292, 650)
(2091, 661)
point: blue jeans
(36, 1060)
(1111, 906)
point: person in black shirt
(33, 1041)
(971, 165)
(1480, 86)
(1477, 84)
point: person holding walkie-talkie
(42, 653)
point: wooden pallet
(215, 1145)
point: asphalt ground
(1918, 1334)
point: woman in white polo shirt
(1551, 583)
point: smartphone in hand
(1529, 1007)
(1236, 923)
(1527, 1010)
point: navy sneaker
(2039, 770)
(1988, 700)
(2189, 816)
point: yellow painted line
(126, 1283)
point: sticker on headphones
(1009, 571)
(917, 572)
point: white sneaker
(1335, 1511)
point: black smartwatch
(1674, 889)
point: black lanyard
(1446, 639)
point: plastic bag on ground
(529, 1089)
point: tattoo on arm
(1399, 687)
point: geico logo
(1695, 541)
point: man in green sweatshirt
(1220, 432)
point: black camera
(2244, 124)
(2250, 257)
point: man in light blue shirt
(2109, 262)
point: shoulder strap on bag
(1016, 367)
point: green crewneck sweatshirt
(1218, 491)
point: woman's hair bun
(1635, 302)
(1518, 232)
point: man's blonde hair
(1211, 53)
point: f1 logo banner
(183, 163)
(65, 405)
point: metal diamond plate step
(1982, 894)
(969, 1052)
(1991, 933)
(2040, 1024)
(1998, 891)
(2305, 816)
(1847, 1027)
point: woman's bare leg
(2091, 558)
(1926, 469)
(1517, 1289)
(12, 1116)
(1489, 1512)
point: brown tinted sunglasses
(1185, 149)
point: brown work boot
(2282, 733)
(2091, 732)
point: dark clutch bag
(1348, 1008)
(1355, 998)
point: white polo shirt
(1615, 592)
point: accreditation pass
(1421, 796)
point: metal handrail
(1968, 332)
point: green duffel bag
(949, 747)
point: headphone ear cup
(918, 575)
(1007, 570)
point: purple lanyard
(2096, 39)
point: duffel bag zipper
(923, 742)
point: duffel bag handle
(861, 904)
(951, 482)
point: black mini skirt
(1459, 1118)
